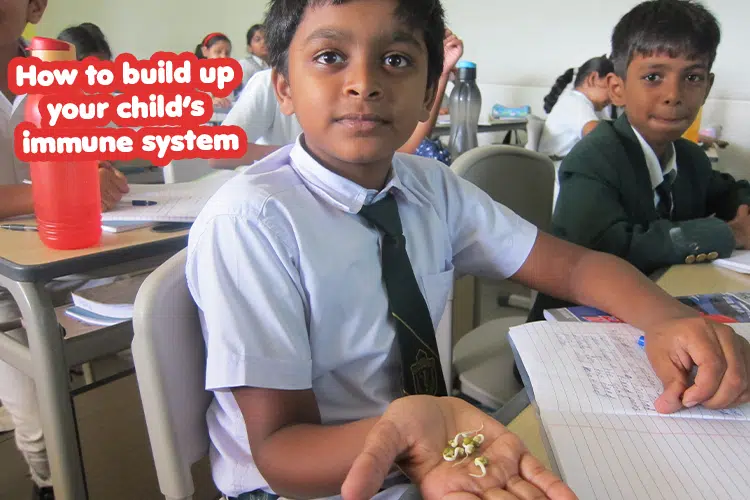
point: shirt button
(690, 259)
(713, 256)
(701, 257)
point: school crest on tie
(424, 374)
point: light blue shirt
(288, 281)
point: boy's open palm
(722, 358)
(413, 433)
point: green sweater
(606, 203)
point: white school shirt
(250, 65)
(288, 281)
(12, 170)
(257, 113)
(563, 127)
(655, 171)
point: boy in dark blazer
(634, 188)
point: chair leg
(88, 373)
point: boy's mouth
(361, 122)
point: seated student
(17, 391)
(573, 113)
(215, 46)
(257, 53)
(86, 42)
(316, 324)
(257, 112)
(634, 188)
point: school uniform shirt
(656, 172)
(563, 127)
(288, 281)
(257, 113)
(250, 65)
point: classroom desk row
(26, 265)
(677, 281)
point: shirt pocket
(436, 288)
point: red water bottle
(67, 199)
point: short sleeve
(255, 110)
(488, 238)
(250, 299)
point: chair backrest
(534, 129)
(521, 180)
(186, 170)
(170, 362)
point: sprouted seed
(461, 435)
(451, 454)
(482, 463)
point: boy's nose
(673, 92)
(363, 81)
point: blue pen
(642, 341)
(143, 203)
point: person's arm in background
(453, 48)
(17, 200)
(589, 127)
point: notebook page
(597, 368)
(626, 457)
(738, 262)
(180, 202)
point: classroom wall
(520, 47)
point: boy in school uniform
(320, 273)
(634, 188)
(17, 391)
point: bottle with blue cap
(465, 106)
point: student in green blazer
(634, 188)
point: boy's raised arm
(677, 338)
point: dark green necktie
(420, 361)
(665, 205)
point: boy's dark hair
(85, 42)
(673, 27)
(284, 16)
(252, 31)
(602, 66)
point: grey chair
(170, 363)
(534, 129)
(523, 181)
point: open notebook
(181, 202)
(594, 390)
(738, 262)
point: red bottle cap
(39, 43)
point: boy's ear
(283, 92)
(35, 10)
(616, 89)
(429, 101)
(711, 79)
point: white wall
(520, 46)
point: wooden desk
(506, 125)
(678, 281)
(26, 265)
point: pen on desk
(18, 227)
(143, 203)
(642, 341)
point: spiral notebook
(181, 202)
(594, 390)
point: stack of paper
(113, 301)
(595, 390)
(738, 262)
(181, 202)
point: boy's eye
(329, 58)
(695, 78)
(397, 61)
(652, 77)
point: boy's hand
(221, 102)
(721, 356)
(740, 226)
(413, 433)
(453, 49)
(112, 184)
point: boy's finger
(544, 479)
(734, 381)
(675, 384)
(707, 354)
(371, 467)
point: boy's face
(14, 14)
(357, 81)
(662, 95)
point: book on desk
(594, 391)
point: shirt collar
(655, 171)
(339, 191)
